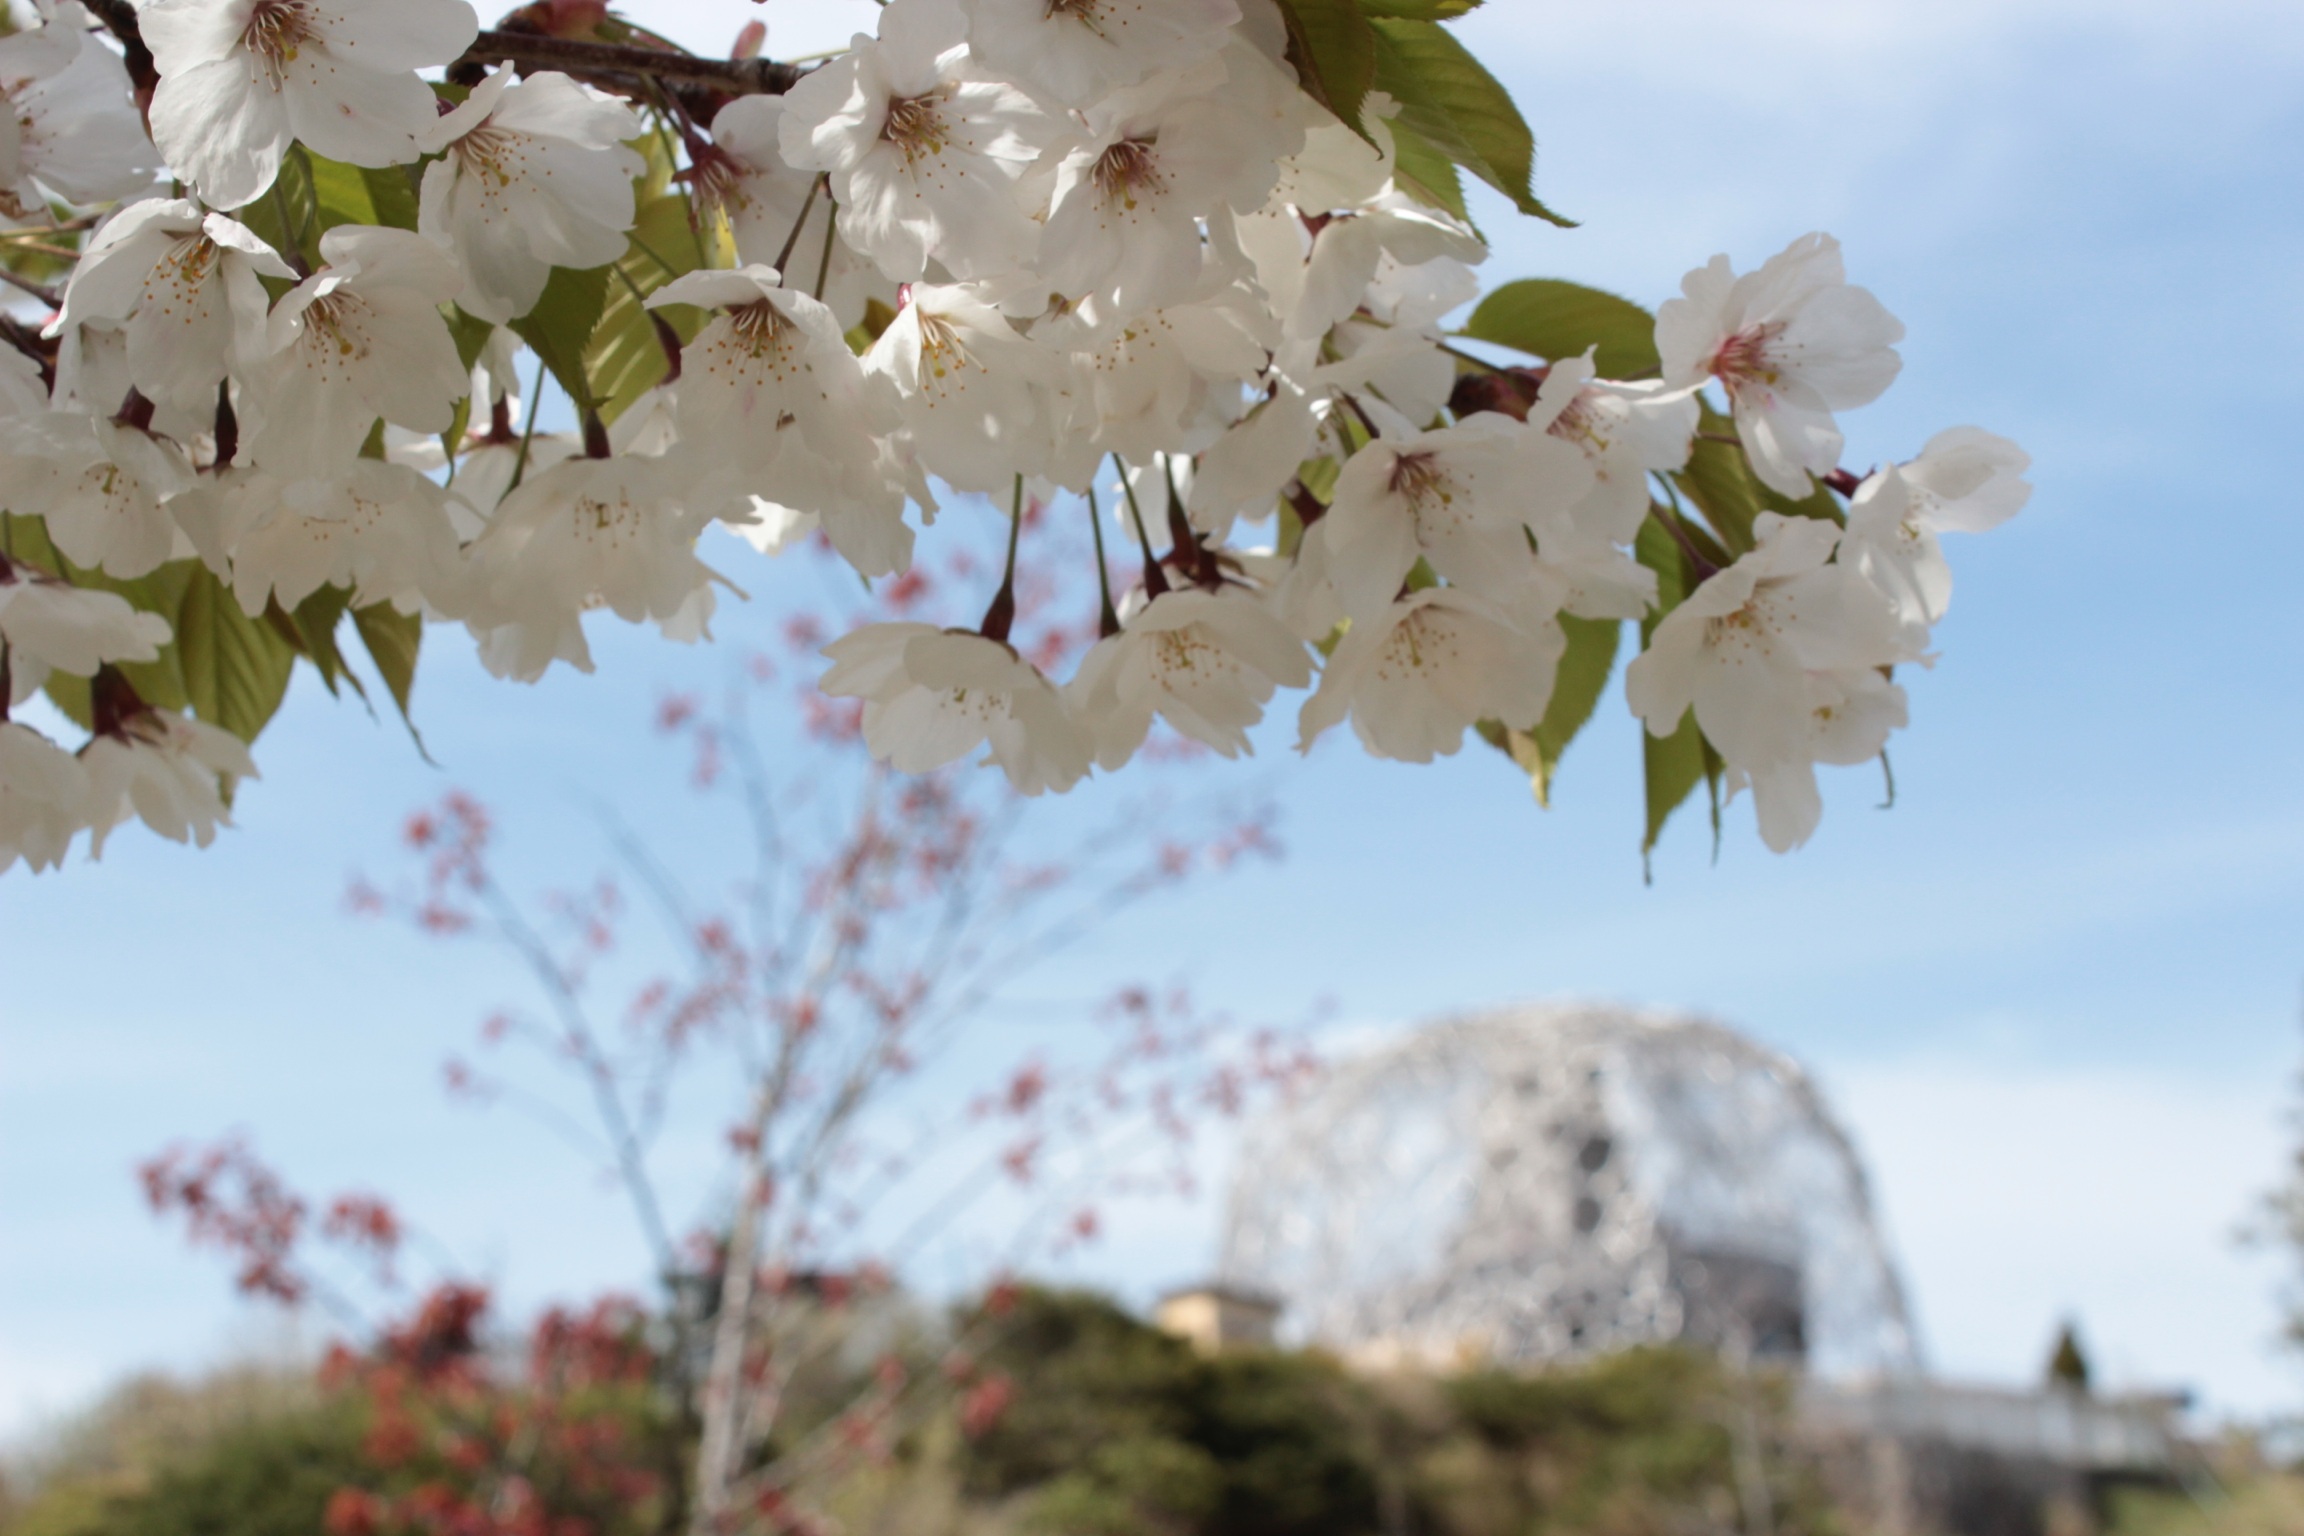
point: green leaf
(351, 194)
(1719, 480)
(1426, 173)
(1720, 484)
(311, 630)
(1334, 49)
(627, 358)
(392, 193)
(877, 318)
(471, 335)
(339, 193)
(1551, 319)
(1671, 766)
(292, 208)
(1576, 690)
(235, 668)
(560, 327)
(1419, 10)
(1448, 97)
(393, 640)
(25, 538)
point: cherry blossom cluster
(1115, 250)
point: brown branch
(119, 18)
(729, 77)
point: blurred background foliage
(1103, 1426)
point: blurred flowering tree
(817, 1002)
(1186, 264)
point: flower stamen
(276, 30)
(1126, 169)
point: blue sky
(2055, 991)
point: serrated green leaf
(560, 327)
(1551, 319)
(311, 630)
(1419, 10)
(235, 668)
(393, 640)
(1448, 97)
(1425, 172)
(1333, 47)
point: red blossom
(229, 1200)
(353, 1512)
(443, 1336)
(983, 1405)
(1026, 1088)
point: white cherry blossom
(584, 533)
(99, 485)
(1791, 343)
(166, 768)
(772, 362)
(1966, 480)
(1416, 677)
(1153, 161)
(932, 696)
(484, 474)
(43, 798)
(772, 404)
(1319, 280)
(22, 391)
(1074, 53)
(1205, 662)
(378, 528)
(923, 155)
(1626, 432)
(977, 397)
(1164, 381)
(533, 174)
(1849, 722)
(240, 78)
(185, 288)
(1460, 497)
(743, 174)
(359, 339)
(1780, 657)
(72, 130)
(48, 625)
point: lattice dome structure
(1546, 1183)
